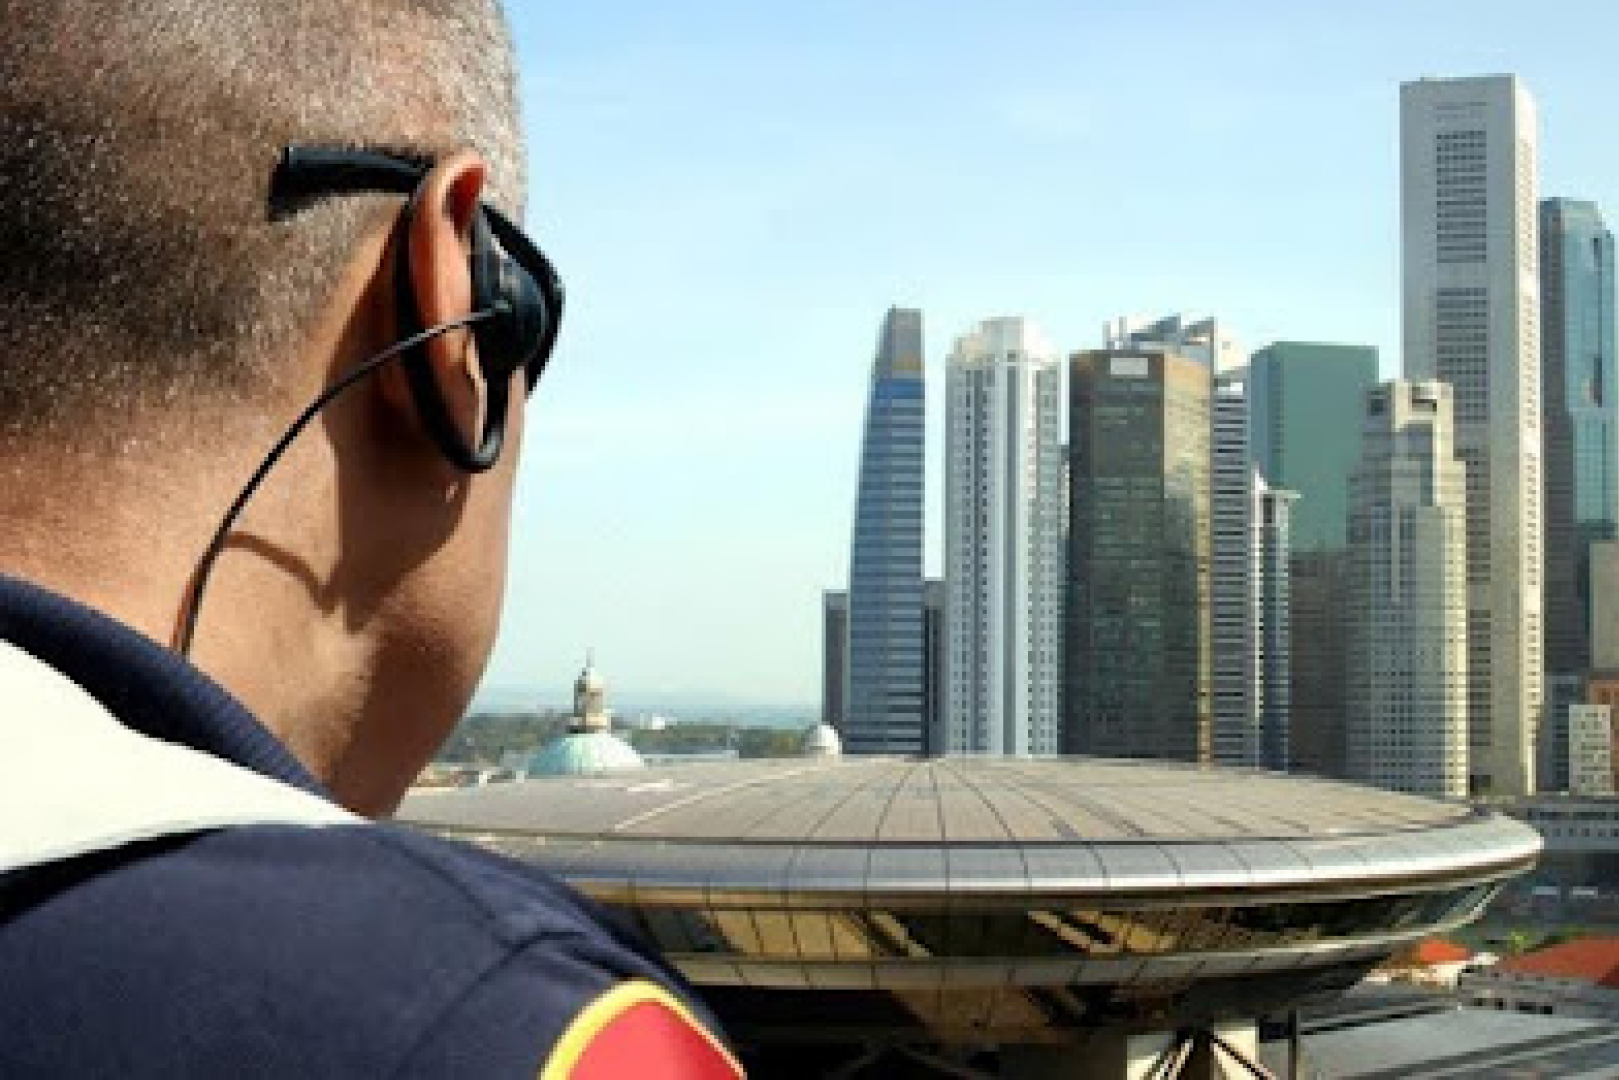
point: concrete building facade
(1408, 655)
(1471, 317)
(1604, 635)
(1590, 750)
(1003, 542)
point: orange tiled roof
(1590, 959)
(1437, 951)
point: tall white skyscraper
(1408, 645)
(1003, 542)
(1470, 255)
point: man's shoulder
(318, 951)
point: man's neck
(125, 539)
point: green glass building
(1306, 430)
(1305, 436)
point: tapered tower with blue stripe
(883, 702)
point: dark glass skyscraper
(834, 651)
(884, 705)
(1139, 648)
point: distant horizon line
(640, 701)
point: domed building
(821, 741)
(1082, 916)
(590, 747)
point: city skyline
(731, 373)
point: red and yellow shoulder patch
(638, 1029)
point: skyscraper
(1232, 613)
(1304, 398)
(883, 705)
(1580, 420)
(1605, 605)
(1237, 630)
(1580, 395)
(933, 669)
(1305, 431)
(1207, 339)
(1272, 660)
(1234, 629)
(834, 655)
(1408, 596)
(1137, 644)
(1003, 541)
(1470, 258)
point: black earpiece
(511, 281)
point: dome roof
(584, 755)
(822, 740)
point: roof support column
(1225, 1051)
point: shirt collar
(150, 689)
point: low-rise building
(1435, 962)
(1578, 979)
(1590, 750)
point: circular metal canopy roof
(865, 827)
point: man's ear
(437, 236)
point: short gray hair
(140, 261)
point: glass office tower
(1578, 405)
(1138, 647)
(884, 704)
(1578, 395)
(1306, 430)
(1306, 438)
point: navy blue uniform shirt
(280, 950)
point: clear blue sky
(735, 192)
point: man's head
(137, 143)
(161, 318)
